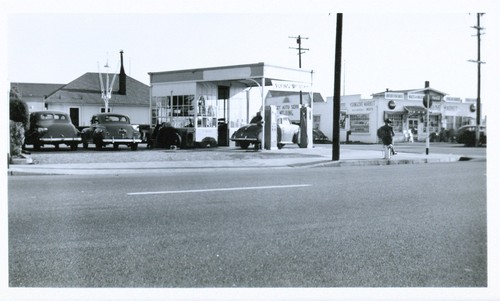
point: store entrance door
(413, 127)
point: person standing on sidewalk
(386, 133)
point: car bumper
(52, 139)
(122, 140)
(244, 139)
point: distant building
(360, 118)
(34, 94)
(82, 97)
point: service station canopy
(250, 75)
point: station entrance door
(222, 124)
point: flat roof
(244, 73)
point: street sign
(427, 101)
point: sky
(398, 48)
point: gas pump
(306, 126)
(270, 128)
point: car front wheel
(244, 144)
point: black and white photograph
(250, 150)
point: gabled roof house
(82, 97)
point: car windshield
(284, 120)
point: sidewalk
(159, 161)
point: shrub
(18, 110)
(19, 122)
(16, 138)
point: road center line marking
(218, 189)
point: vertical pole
(478, 100)
(171, 106)
(428, 106)
(336, 90)
(263, 84)
(300, 51)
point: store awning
(415, 110)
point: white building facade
(360, 118)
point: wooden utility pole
(478, 100)
(300, 49)
(336, 91)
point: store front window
(360, 123)
(433, 122)
(397, 122)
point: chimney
(123, 77)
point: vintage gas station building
(216, 101)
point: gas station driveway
(121, 161)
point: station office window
(359, 123)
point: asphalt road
(375, 226)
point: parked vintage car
(288, 133)
(467, 135)
(320, 137)
(111, 128)
(52, 127)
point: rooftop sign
(394, 95)
(415, 96)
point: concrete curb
(186, 166)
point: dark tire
(85, 145)
(244, 144)
(36, 146)
(98, 145)
(280, 145)
(133, 146)
(74, 146)
(115, 146)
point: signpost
(427, 105)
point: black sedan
(52, 128)
(467, 135)
(110, 128)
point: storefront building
(360, 118)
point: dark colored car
(110, 128)
(52, 127)
(467, 135)
(288, 133)
(320, 137)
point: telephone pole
(336, 90)
(478, 62)
(300, 49)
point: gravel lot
(49, 155)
